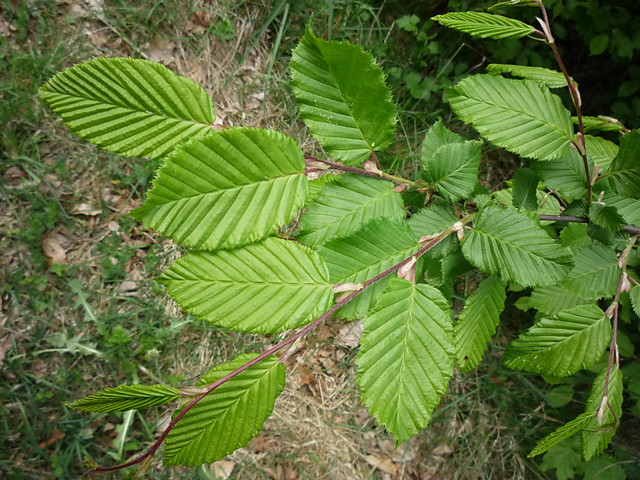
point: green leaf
(228, 189)
(560, 396)
(513, 246)
(519, 115)
(627, 208)
(437, 136)
(573, 340)
(485, 25)
(604, 467)
(595, 274)
(376, 247)
(525, 188)
(600, 151)
(598, 44)
(228, 417)
(477, 322)
(131, 107)
(565, 458)
(635, 298)
(599, 435)
(342, 97)
(547, 203)
(548, 78)
(565, 175)
(265, 287)
(624, 173)
(554, 299)
(576, 236)
(345, 205)
(606, 216)
(567, 430)
(126, 397)
(434, 219)
(452, 170)
(406, 357)
(598, 123)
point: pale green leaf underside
(595, 274)
(126, 397)
(553, 299)
(545, 76)
(228, 189)
(131, 107)
(406, 357)
(477, 323)
(342, 97)
(485, 25)
(345, 205)
(228, 417)
(513, 246)
(573, 340)
(452, 170)
(597, 437)
(265, 287)
(567, 430)
(376, 247)
(518, 115)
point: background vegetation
(80, 310)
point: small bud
(408, 271)
(603, 406)
(370, 166)
(312, 163)
(428, 238)
(347, 287)
(400, 188)
(458, 227)
(611, 310)
(596, 173)
(192, 391)
(626, 284)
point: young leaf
(453, 169)
(485, 25)
(437, 136)
(519, 115)
(126, 397)
(565, 175)
(228, 189)
(573, 340)
(525, 188)
(596, 438)
(345, 205)
(547, 203)
(624, 172)
(477, 323)
(554, 299)
(432, 220)
(265, 287)
(342, 97)
(595, 274)
(512, 245)
(130, 107)
(406, 357)
(371, 250)
(228, 417)
(548, 78)
(597, 123)
(565, 431)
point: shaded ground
(80, 310)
